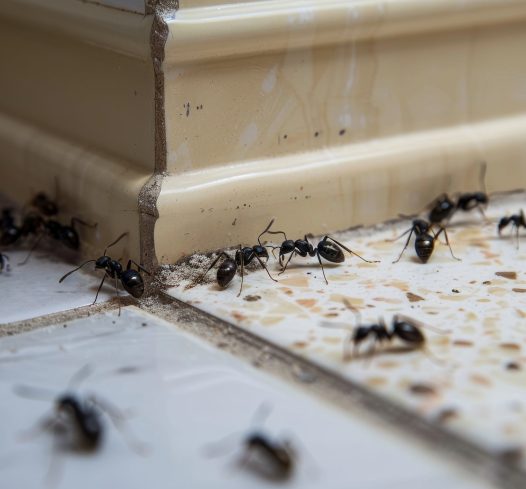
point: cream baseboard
(335, 188)
(92, 186)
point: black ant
(35, 224)
(402, 327)
(45, 205)
(444, 208)
(424, 241)
(270, 458)
(244, 256)
(516, 221)
(328, 248)
(77, 421)
(130, 279)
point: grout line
(331, 387)
(26, 325)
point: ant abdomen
(133, 283)
(226, 272)
(408, 332)
(331, 252)
(424, 246)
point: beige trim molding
(91, 185)
(334, 188)
(125, 32)
(257, 28)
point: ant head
(260, 251)
(420, 226)
(45, 204)
(67, 402)
(481, 198)
(102, 262)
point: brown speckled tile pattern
(471, 379)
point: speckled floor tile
(182, 395)
(32, 290)
(471, 377)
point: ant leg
(46, 424)
(265, 267)
(75, 220)
(242, 269)
(443, 229)
(432, 357)
(212, 265)
(398, 237)
(54, 471)
(33, 248)
(370, 353)
(115, 242)
(481, 210)
(347, 347)
(118, 419)
(100, 287)
(321, 265)
(405, 246)
(350, 251)
(517, 235)
(4, 263)
(142, 269)
(272, 249)
(117, 293)
(286, 264)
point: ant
(77, 422)
(402, 327)
(45, 205)
(444, 208)
(328, 248)
(35, 224)
(270, 458)
(130, 279)
(516, 220)
(244, 256)
(424, 241)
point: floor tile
(184, 395)
(471, 375)
(33, 289)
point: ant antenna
(274, 232)
(482, 176)
(266, 231)
(82, 374)
(115, 242)
(74, 270)
(354, 310)
(261, 414)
